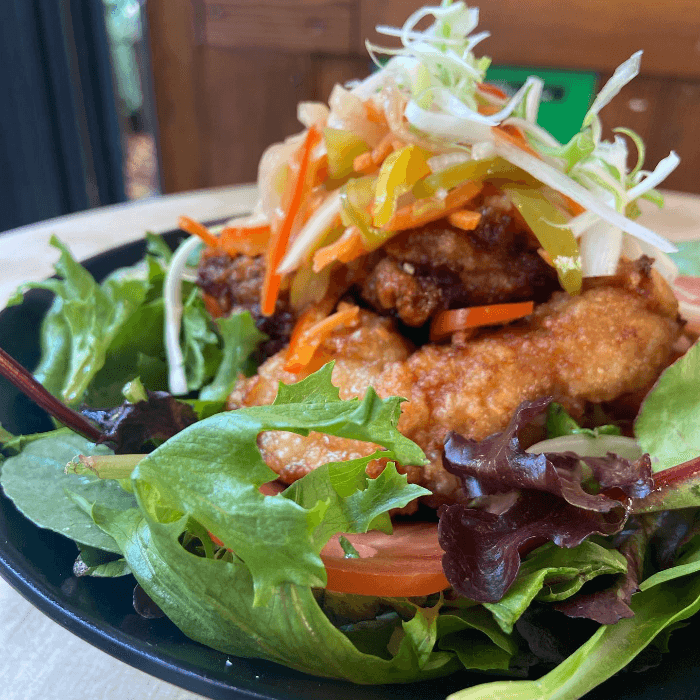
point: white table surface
(40, 660)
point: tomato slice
(406, 563)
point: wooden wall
(229, 73)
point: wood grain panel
(676, 128)
(176, 75)
(287, 25)
(662, 112)
(329, 70)
(250, 100)
(582, 34)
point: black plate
(38, 563)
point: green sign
(565, 98)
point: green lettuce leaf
(477, 639)
(552, 573)
(98, 563)
(211, 472)
(212, 601)
(559, 423)
(81, 323)
(609, 650)
(36, 483)
(5, 436)
(355, 503)
(667, 425)
(687, 563)
(240, 339)
(200, 343)
(257, 600)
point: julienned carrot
(515, 136)
(282, 232)
(196, 229)
(545, 256)
(212, 306)
(373, 114)
(364, 163)
(448, 322)
(492, 90)
(318, 169)
(252, 241)
(308, 335)
(346, 249)
(465, 219)
(383, 149)
(423, 212)
(574, 207)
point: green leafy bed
(261, 594)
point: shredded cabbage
(440, 78)
(172, 297)
(430, 94)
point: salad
(431, 407)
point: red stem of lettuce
(678, 474)
(23, 380)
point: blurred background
(110, 100)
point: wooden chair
(228, 73)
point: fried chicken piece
(361, 353)
(604, 343)
(439, 266)
(612, 339)
(231, 284)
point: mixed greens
(240, 571)
(175, 493)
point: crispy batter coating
(361, 353)
(439, 266)
(612, 339)
(231, 284)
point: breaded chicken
(439, 266)
(612, 339)
(361, 352)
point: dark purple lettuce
(498, 464)
(482, 549)
(612, 604)
(547, 502)
(130, 427)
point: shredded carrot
(364, 164)
(283, 230)
(515, 136)
(236, 240)
(212, 305)
(346, 249)
(308, 336)
(383, 149)
(318, 170)
(196, 229)
(465, 219)
(492, 90)
(310, 317)
(574, 207)
(373, 114)
(545, 256)
(421, 212)
(488, 109)
(448, 322)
